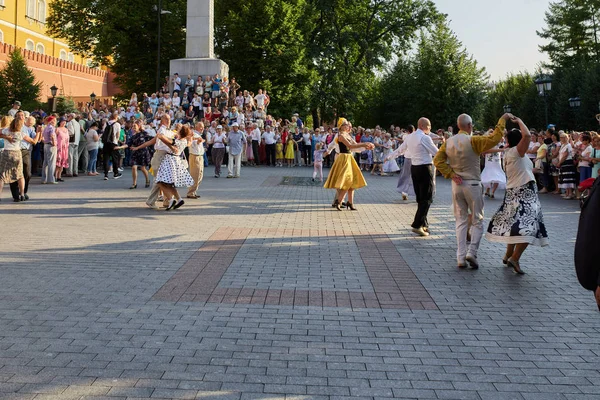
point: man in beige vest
(196, 160)
(459, 159)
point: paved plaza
(260, 290)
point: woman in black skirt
(567, 178)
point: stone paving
(240, 295)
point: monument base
(198, 67)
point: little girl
(318, 161)
(279, 153)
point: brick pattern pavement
(200, 279)
(78, 319)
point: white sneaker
(472, 260)
(404, 196)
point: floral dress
(140, 157)
(62, 147)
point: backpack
(107, 134)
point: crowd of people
(173, 135)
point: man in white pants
(459, 159)
(235, 140)
(196, 160)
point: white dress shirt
(196, 148)
(420, 147)
(256, 134)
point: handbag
(184, 160)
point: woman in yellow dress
(345, 175)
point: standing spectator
(255, 134)
(62, 149)
(92, 140)
(585, 169)
(216, 90)
(15, 109)
(196, 160)
(218, 142)
(233, 90)
(49, 139)
(30, 139)
(82, 157)
(74, 130)
(567, 169)
(270, 141)
(176, 84)
(236, 140)
(110, 140)
(306, 147)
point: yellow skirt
(345, 174)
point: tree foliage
(440, 80)
(17, 82)
(349, 41)
(264, 45)
(572, 32)
(122, 34)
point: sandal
(515, 266)
(133, 186)
(147, 184)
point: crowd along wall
(73, 80)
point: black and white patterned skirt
(567, 177)
(519, 219)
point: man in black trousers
(421, 148)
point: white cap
(235, 124)
(219, 127)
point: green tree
(65, 105)
(572, 32)
(123, 35)
(518, 91)
(17, 82)
(440, 81)
(350, 41)
(263, 43)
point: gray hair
(463, 120)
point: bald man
(421, 148)
(459, 159)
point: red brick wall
(74, 80)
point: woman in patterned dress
(519, 221)
(62, 149)
(172, 173)
(139, 158)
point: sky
(500, 34)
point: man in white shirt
(176, 84)
(260, 99)
(422, 150)
(235, 140)
(196, 160)
(256, 136)
(74, 138)
(270, 140)
(15, 109)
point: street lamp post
(93, 99)
(53, 91)
(574, 102)
(160, 12)
(544, 87)
(507, 109)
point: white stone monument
(199, 47)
